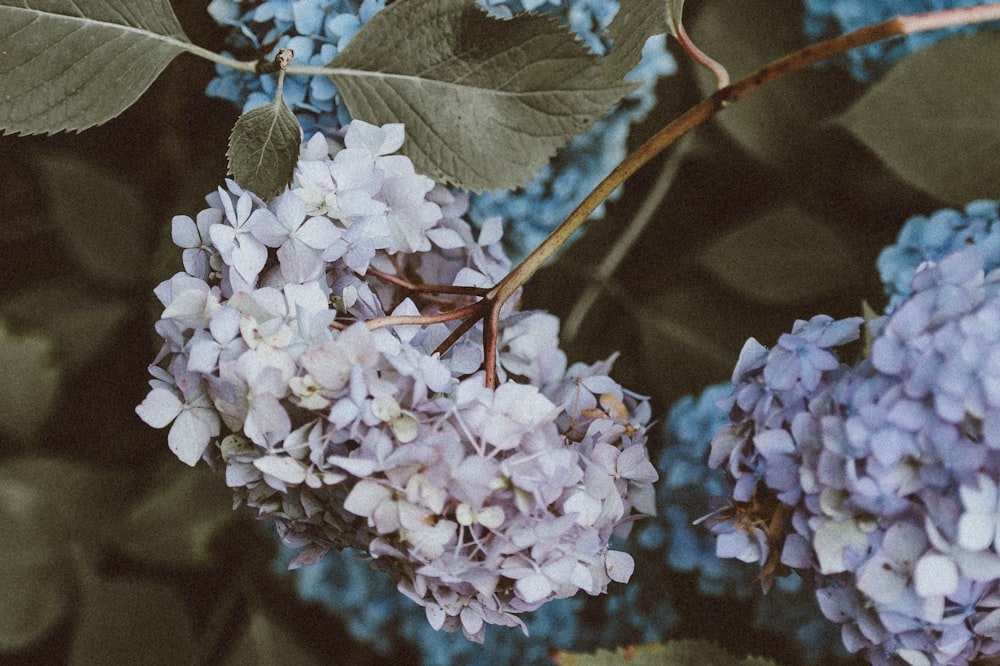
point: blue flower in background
(645, 610)
(935, 236)
(318, 29)
(828, 18)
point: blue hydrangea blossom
(933, 237)
(828, 18)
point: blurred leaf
(102, 219)
(45, 505)
(486, 102)
(36, 595)
(673, 653)
(130, 622)
(79, 324)
(264, 148)
(782, 256)
(69, 65)
(775, 121)
(174, 523)
(263, 642)
(31, 382)
(933, 118)
(679, 323)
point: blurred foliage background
(117, 553)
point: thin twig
(427, 288)
(625, 241)
(424, 320)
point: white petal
(287, 469)
(365, 497)
(318, 233)
(435, 616)
(935, 575)
(491, 517)
(159, 408)
(633, 464)
(446, 239)
(533, 588)
(975, 530)
(492, 231)
(190, 435)
(184, 232)
(619, 566)
(472, 621)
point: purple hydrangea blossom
(481, 503)
(893, 504)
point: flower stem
(696, 115)
(475, 310)
(699, 56)
(623, 244)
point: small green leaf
(31, 383)
(102, 219)
(264, 148)
(685, 652)
(782, 256)
(933, 118)
(486, 102)
(79, 324)
(67, 65)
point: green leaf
(685, 652)
(176, 521)
(264, 642)
(130, 622)
(31, 383)
(777, 120)
(36, 595)
(45, 505)
(782, 256)
(102, 219)
(486, 102)
(79, 324)
(933, 118)
(67, 65)
(264, 148)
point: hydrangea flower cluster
(314, 354)
(318, 29)
(881, 477)
(933, 237)
(685, 488)
(826, 19)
